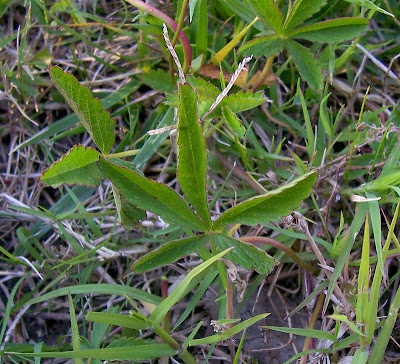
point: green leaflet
(170, 252)
(306, 63)
(233, 121)
(263, 46)
(242, 101)
(192, 154)
(94, 118)
(69, 121)
(269, 13)
(78, 166)
(213, 339)
(159, 80)
(331, 31)
(301, 10)
(271, 206)
(246, 255)
(117, 319)
(137, 352)
(128, 214)
(151, 195)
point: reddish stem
(278, 245)
(187, 51)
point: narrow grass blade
(154, 141)
(310, 142)
(363, 277)
(9, 306)
(103, 288)
(116, 319)
(316, 334)
(343, 318)
(382, 341)
(76, 342)
(375, 214)
(348, 241)
(369, 5)
(373, 303)
(222, 53)
(137, 352)
(228, 333)
(200, 26)
(200, 291)
(162, 309)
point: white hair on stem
(225, 91)
(173, 54)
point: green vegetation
(199, 181)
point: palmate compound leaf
(331, 31)
(269, 207)
(94, 118)
(78, 166)
(246, 255)
(192, 154)
(169, 253)
(151, 196)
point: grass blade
(162, 309)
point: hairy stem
(187, 51)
